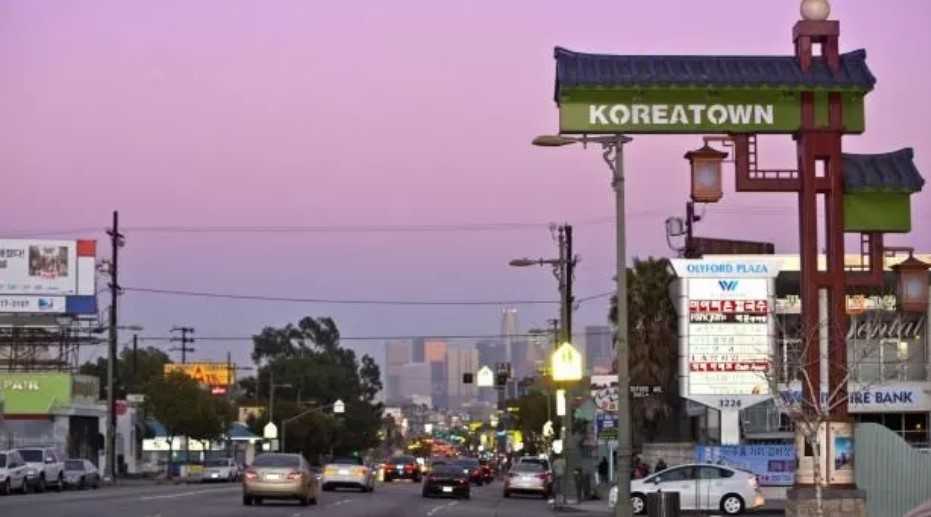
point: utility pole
(135, 364)
(184, 340)
(116, 242)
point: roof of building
(577, 69)
(887, 172)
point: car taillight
(250, 474)
(294, 475)
(389, 466)
(358, 471)
(408, 467)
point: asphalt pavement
(399, 499)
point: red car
(488, 474)
(471, 468)
(402, 467)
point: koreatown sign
(680, 114)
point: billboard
(28, 393)
(33, 304)
(726, 329)
(211, 374)
(38, 267)
(774, 465)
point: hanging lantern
(706, 174)
(912, 284)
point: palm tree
(652, 337)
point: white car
(348, 472)
(700, 487)
(44, 467)
(224, 469)
(12, 473)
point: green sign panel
(678, 110)
(34, 393)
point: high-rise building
(599, 349)
(510, 329)
(414, 380)
(460, 360)
(397, 354)
(418, 350)
(490, 353)
(436, 354)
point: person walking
(603, 470)
(660, 466)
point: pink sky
(388, 113)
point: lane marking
(340, 502)
(187, 494)
(441, 507)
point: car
(447, 480)
(279, 476)
(402, 467)
(222, 469)
(12, 473)
(700, 487)
(529, 477)
(472, 468)
(81, 474)
(488, 473)
(348, 472)
(44, 467)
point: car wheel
(82, 484)
(304, 500)
(24, 488)
(246, 500)
(507, 494)
(61, 483)
(257, 500)
(467, 496)
(732, 504)
(327, 488)
(40, 485)
(5, 489)
(639, 504)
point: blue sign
(774, 465)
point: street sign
(270, 431)
(567, 363)
(485, 378)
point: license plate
(400, 469)
(343, 472)
(447, 489)
(273, 477)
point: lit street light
(613, 154)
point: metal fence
(895, 475)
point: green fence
(895, 476)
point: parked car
(81, 474)
(447, 480)
(280, 476)
(222, 469)
(700, 487)
(348, 472)
(12, 473)
(471, 468)
(529, 477)
(402, 467)
(44, 467)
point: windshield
(218, 463)
(447, 470)
(2, 460)
(31, 455)
(347, 460)
(74, 465)
(402, 459)
(527, 466)
(467, 462)
(277, 460)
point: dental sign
(678, 111)
(726, 329)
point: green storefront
(52, 409)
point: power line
(262, 298)
(382, 338)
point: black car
(402, 467)
(447, 480)
(471, 468)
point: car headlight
(31, 472)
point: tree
(132, 373)
(184, 408)
(652, 338)
(309, 358)
(533, 410)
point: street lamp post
(613, 147)
(271, 395)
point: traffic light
(501, 378)
(467, 378)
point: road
(388, 500)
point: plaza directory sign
(726, 330)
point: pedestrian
(603, 470)
(660, 466)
